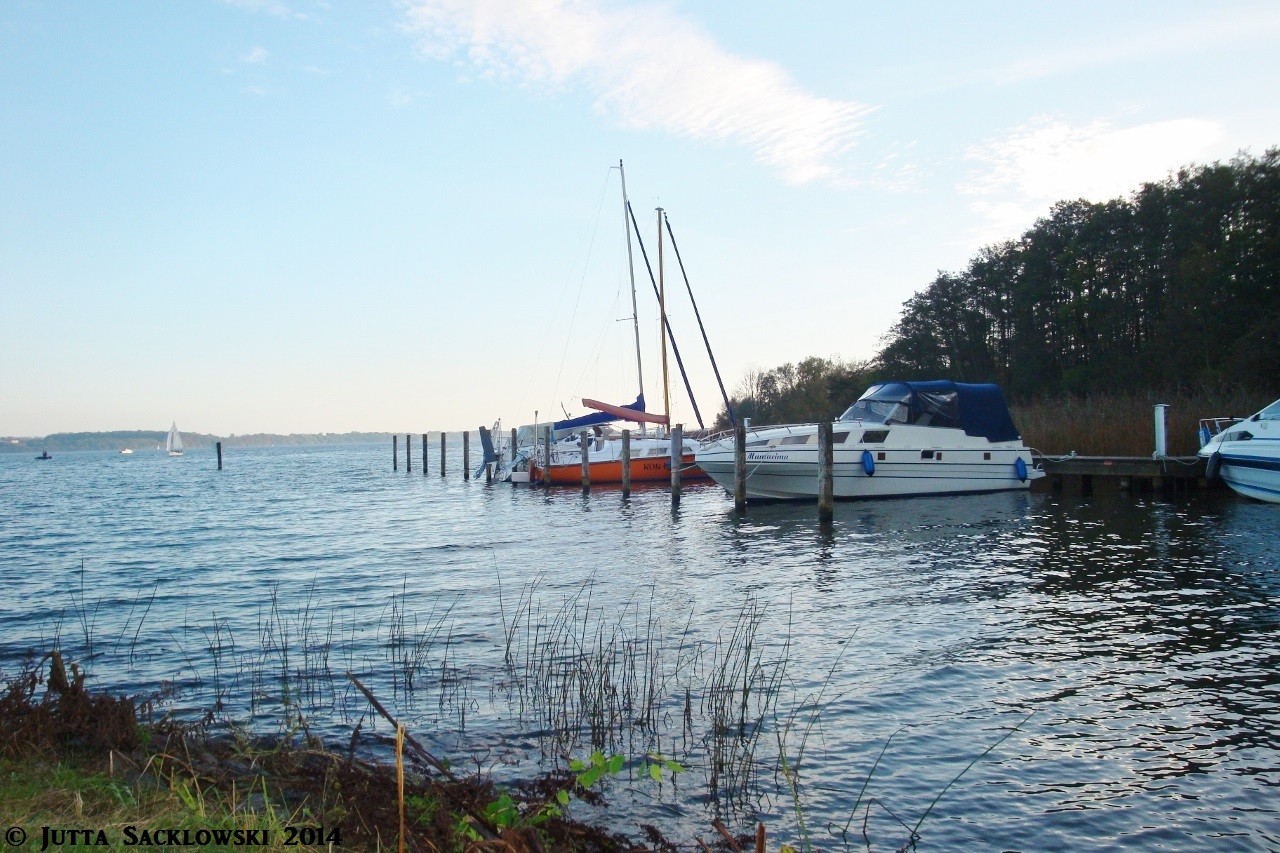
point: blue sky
(297, 216)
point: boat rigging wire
(728, 407)
(670, 336)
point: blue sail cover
(597, 418)
(978, 409)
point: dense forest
(1175, 287)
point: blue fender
(868, 463)
(1020, 469)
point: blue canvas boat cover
(597, 418)
(977, 408)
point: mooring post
(219, 455)
(424, 454)
(626, 463)
(442, 443)
(677, 459)
(740, 466)
(488, 473)
(1161, 447)
(584, 442)
(826, 485)
(408, 455)
(466, 455)
(395, 449)
(546, 458)
(512, 454)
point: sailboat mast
(631, 269)
(662, 326)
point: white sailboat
(173, 442)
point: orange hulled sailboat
(651, 451)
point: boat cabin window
(875, 436)
(893, 403)
(839, 437)
(795, 439)
(1270, 413)
(761, 443)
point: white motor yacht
(1245, 453)
(899, 439)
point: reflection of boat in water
(898, 439)
(173, 441)
(1245, 453)
(44, 454)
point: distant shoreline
(142, 440)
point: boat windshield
(898, 403)
(889, 403)
(1270, 413)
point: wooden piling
(424, 454)
(219, 455)
(584, 442)
(826, 483)
(740, 467)
(466, 455)
(626, 463)
(395, 451)
(488, 473)
(511, 457)
(546, 458)
(677, 460)
(442, 444)
(408, 455)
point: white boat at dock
(1245, 453)
(899, 439)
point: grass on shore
(1124, 424)
(70, 759)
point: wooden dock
(1125, 473)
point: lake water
(1126, 649)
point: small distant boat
(1245, 453)
(128, 451)
(173, 442)
(44, 455)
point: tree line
(1176, 286)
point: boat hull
(1245, 478)
(796, 478)
(1253, 470)
(604, 472)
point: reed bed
(636, 681)
(570, 672)
(1123, 424)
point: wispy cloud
(648, 69)
(1026, 172)
(257, 56)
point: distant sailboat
(173, 443)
